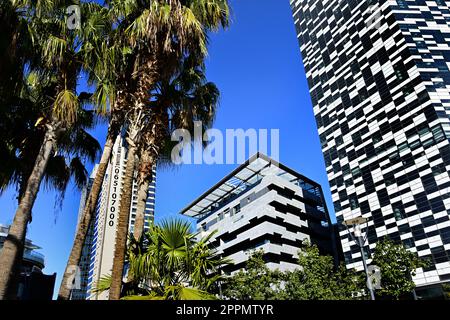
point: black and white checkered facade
(379, 79)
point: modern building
(378, 73)
(80, 291)
(98, 251)
(263, 205)
(33, 283)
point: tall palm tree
(112, 62)
(14, 49)
(142, 26)
(75, 146)
(178, 102)
(163, 32)
(108, 62)
(14, 53)
(56, 53)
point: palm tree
(14, 53)
(113, 62)
(56, 53)
(108, 63)
(163, 32)
(14, 50)
(75, 146)
(178, 102)
(141, 27)
(168, 263)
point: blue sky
(257, 66)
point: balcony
(4, 230)
(34, 257)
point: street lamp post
(360, 241)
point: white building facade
(263, 205)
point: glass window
(403, 147)
(423, 131)
(398, 214)
(356, 173)
(354, 203)
(428, 142)
(408, 243)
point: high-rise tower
(98, 251)
(379, 79)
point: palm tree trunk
(153, 143)
(140, 209)
(12, 252)
(145, 178)
(122, 226)
(88, 213)
(146, 76)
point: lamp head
(355, 221)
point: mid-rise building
(379, 79)
(263, 205)
(98, 251)
(33, 283)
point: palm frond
(54, 48)
(78, 172)
(66, 107)
(180, 292)
(141, 298)
(103, 284)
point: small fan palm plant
(167, 263)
